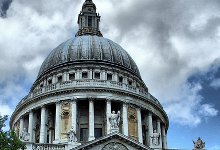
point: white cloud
(215, 147)
(5, 110)
(208, 110)
(187, 109)
(215, 83)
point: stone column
(43, 125)
(91, 120)
(77, 75)
(164, 138)
(150, 129)
(103, 75)
(21, 126)
(140, 136)
(74, 114)
(108, 113)
(54, 79)
(159, 131)
(90, 74)
(65, 76)
(115, 77)
(30, 125)
(57, 123)
(125, 119)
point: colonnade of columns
(160, 130)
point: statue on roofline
(199, 144)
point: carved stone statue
(25, 136)
(155, 138)
(72, 135)
(199, 144)
(114, 120)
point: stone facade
(89, 90)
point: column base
(91, 138)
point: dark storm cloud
(4, 5)
(167, 18)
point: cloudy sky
(175, 43)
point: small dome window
(120, 79)
(84, 75)
(49, 81)
(72, 76)
(109, 76)
(59, 79)
(129, 82)
(97, 75)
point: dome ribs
(88, 48)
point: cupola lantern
(88, 20)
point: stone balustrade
(91, 83)
(38, 146)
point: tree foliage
(8, 139)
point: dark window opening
(83, 134)
(49, 81)
(129, 82)
(98, 132)
(84, 75)
(72, 76)
(89, 21)
(120, 79)
(59, 79)
(41, 85)
(97, 75)
(109, 76)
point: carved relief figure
(72, 135)
(25, 136)
(114, 146)
(114, 120)
(199, 144)
(155, 138)
(132, 123)
(65, 119)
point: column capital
(138, 108)
(158, 120)
(74, 99)
(57, 102)
(108, 99)
(90, 98)
(43, 106)
(125, 104)
(149, 113)
(30, 111)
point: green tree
(8, 139)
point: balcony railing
(48, 147)
(91, 83)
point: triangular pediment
(114, 141)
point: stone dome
(87, 48)
(89, 95)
